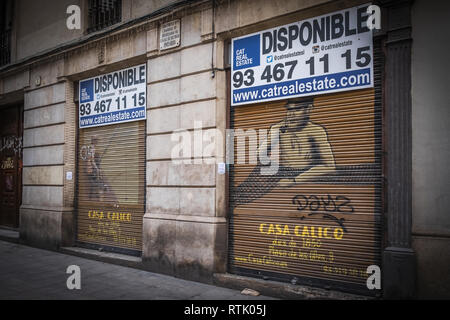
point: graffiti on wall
(99, 187)
(11, 144)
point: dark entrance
(11, 131)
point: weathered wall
(42, 25)
(132, 9)
(237, 14)
(45, 218)
(183, 233)
(431, 147)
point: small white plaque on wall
(221, 168)
(169, 36)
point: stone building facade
(185, 226)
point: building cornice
(108, 35)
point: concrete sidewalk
(30, 273)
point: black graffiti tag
(314, 203)
(12, 143)
(326, 205)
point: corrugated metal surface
(111, 185)
(324, 228)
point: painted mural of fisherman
(99, 188)
(93, 170)
(304, 148)
(305, 154)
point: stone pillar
(70, 128)
(398, 257)
(185, 227)
(46, 213)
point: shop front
(111, 160)
(306, 184)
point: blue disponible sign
(324, 54)
(119, 96)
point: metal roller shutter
(325, 231)
(111, 186)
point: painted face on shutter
(297, 115)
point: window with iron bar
(103, 13)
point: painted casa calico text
(114, 216)
(302, 231)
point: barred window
(103, 13)
(5, 31)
